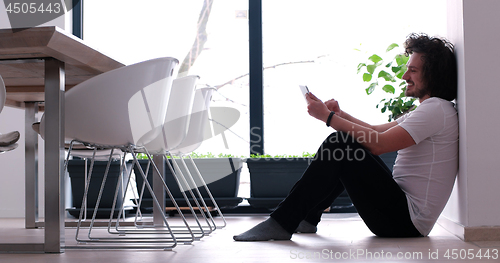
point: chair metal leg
(209, 193)
(142, 234)
(200, 196)
(85, 193)
(123, 170)
(168, 192)
(163, 239)
(103, 183)
(184, 229)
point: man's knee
(340, 146)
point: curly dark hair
(440, 65)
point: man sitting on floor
(404, 203)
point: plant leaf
(391, 47)
(409, 104)
(367, 77)
(386, 76)
(375, 58)
(371, 68)
(396, 111)
(400, 74)
(371, 88)
(401, 59)
(360, 66)
(398, 68)
(389, 89)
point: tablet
(304, 90)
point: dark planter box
(271, 179)
(223, 184)
(274, 177)
(76, 170)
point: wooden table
(38, 65)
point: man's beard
(416, 93)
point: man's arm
(377, 139)
(378, 128)
(392, 139)
(333, 105)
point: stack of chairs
(141, 108)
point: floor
(340, 237)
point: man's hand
(316, 108)
(333, 105)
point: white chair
(129, 99)
(8, 140)
(175, 125)
(174, 131)
(122, 109)
(198, 126)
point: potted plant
(221, 173)
(389, 73)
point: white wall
(456, 209)
(12, 166)
(12, 172)
(475, 200)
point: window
(134, 31)
(310, 42)
(314, 43)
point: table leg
(54, 156)
(158, 190)
(31, 165)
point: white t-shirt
(426, 171)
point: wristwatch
(329, 118)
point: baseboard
(469, 234)
(482, 233)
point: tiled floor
(340, 237)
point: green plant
(304, 155)
(141, 156)
(389, 76)
(196, 155)
(211, 155)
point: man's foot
(9, 138)
(306, 227)
(267, 230)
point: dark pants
(342, 163)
